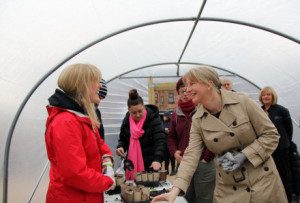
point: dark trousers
(202, 186)
(167, 161)
(282, 161)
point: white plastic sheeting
(36, 36)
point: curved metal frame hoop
(22, 105)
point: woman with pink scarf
(142, 136)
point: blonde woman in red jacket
(76, 152)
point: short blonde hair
(268, 89)
(204, 74)
(74, 80)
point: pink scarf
(135, 151)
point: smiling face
(197, 91)
(137, 112)
(93, 92)
(183, 96)
(267, 97)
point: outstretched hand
(169, 197)
(163, 197)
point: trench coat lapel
(226, 118)
(211, 123)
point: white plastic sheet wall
(35, 36)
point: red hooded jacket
(75, 152)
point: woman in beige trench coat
(237, 130)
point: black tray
(117, 190)
(147, 183)
(158, 192)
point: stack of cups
(132, 194)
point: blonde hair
(74, 80)
(204, 74)
(268, 89)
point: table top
(163, 185)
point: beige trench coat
(242, 127)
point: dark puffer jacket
(153, 141)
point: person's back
(102, 94)
(166, 118)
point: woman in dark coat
(281, 118)
(142, 136)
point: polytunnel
(256, 43)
